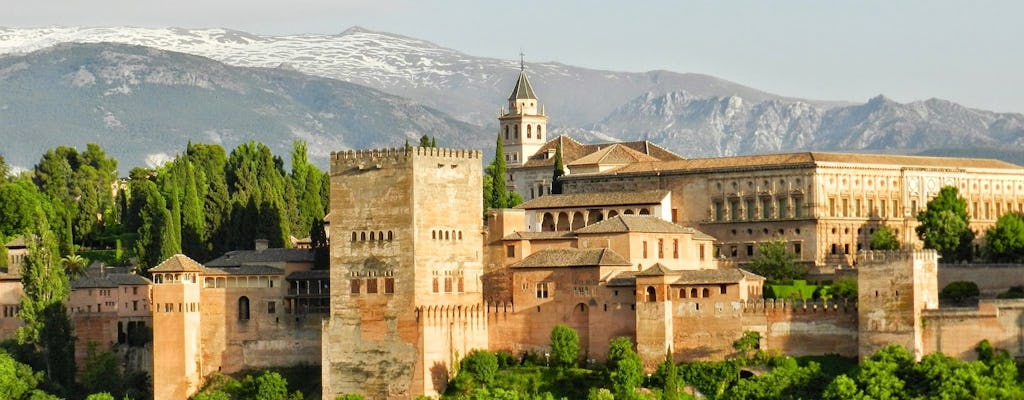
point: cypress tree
(556, 184)
(499, 196)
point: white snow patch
(154, 160)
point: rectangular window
(437, 286)
(871, 207)
(751, 210)
(702, 252)
(895, 208)
(798, 207)
(354, 286)
(661, 248)
(846, 207)
(856, 208)
(721, 289)
(883, 212)
(832, 207)
(135, 290)
(750, 250)
(796, 248)
(987, 215)
(542, 290)
(371, 286)
(645, 248)
(913, 207)
(719, 213)
(675, 215)
(675, 248)
(271, 307)
(766, 208)
(135, 305)
(734, 210)
(462, 285)
(447, 284)
(783, 208)
(389, 285)
(510, 251)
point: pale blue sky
(968, 52)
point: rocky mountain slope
(143, 105)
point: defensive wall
(992, 279)
(956, 331)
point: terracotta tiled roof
(539, 235)
(573, 150)
(178, 263)
(240, 257)
(656, 270)
(109, 281)
(523, 89)
(616, 154)
(245, 270)
(556, 258)
(623, 279)
(92, 282)
(595, 199)
(809, 159)
(314, 274)
(634, 223)
(713, 276)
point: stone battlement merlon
(403, 153)
(770, 306)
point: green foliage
(102, 372)
(19, 201)
(775, 262)
(427, 141)
(845, 288)
(884, 239)
(100, 396)
(625, 368)
(959, 291)
(944, 225)
(559, 171)
(600, 394)
(670, 376)
(497, 171)
(786, 380)
(259, 192)
(349, 397)
(17, 380)
(711, 379)
(749, 341)
(481, 365)
(797, 289)
(155, 241)
(565, 346)
(1014, 292)
(1004, 242)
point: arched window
(353, 236)
(380, 235)
(693, 292)
(433, 234)
(506, 132)
(460, 235)
(706, 293)
(529, 131)
(362, 236)
(517, 131)
(445, 235)
(652, 295)
(372, 236)
(243, 308)
(391, 235)
(539, 136)
(682, 293)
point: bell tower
(522, 128)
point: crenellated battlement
(397, 155)
(868, 258)
(770, 306)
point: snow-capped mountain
(467, 87)
(143, 105)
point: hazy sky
(970, 52)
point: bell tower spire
(522, 128)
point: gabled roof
(560, 258)
(616, 154)
(178, 263)
(239, 257)
(18, 242)
(656, 270)
(546, 235)
(649, 197)
(112, 280)
(523, 89)
(634, 223)
(313, 274)
(808, 160)
(714, 276)
(573, 150)
(245, 270)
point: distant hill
(143, 105)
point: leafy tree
(257, 183)
(481, 365)
(1004, 242)
(425, 141)
(670, 388)
(884, 239)
(19, 200)
(959, 291)
(318, 241)
(18, 381)
(845, 288)
(5, 169)
(498, 170)
(565, 346)
(210, 161)
(268, 386)
(75, 265)
(559, 171)
(156, 241)
(786, 380)
(100, 396)
(102, 372)
(1014, 292)
(944, 225)
(775, 262)
(600, 394)
(349, 397)
(625, 368)
(306, 180)
(749, 341)
(46, 324)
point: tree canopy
(1004, 242)
(565, 346)
(944, 225)
(775, 262)
(884, 239)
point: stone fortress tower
(176, 328)
(522, 128)
(406, 242)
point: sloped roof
(109, 281)
(92, 282)
(523, 89)
(634, 223)
(622, 279)
(313, 274)
(546, 235)
(656, 270)
(810, 159)
(239, 257)
(178, 263)
(17, 242)
(573, 150)
(245, 270)
(713, 276)
(616, 154)
(556, 258)
(595, 199)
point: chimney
(262, 244)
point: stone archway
(579, 320)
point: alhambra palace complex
(643, 244)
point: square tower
(406, 242)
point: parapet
(769, 306)
(867, 258)
(378, 158)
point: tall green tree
(943, 226)
(155, 241)
(565, 346)
(559, 171)
(498, 170)
(210, 161)
(775, 262)
(18, 381)
(5, 169)
(884, 239)
(46, 325)
(254, 174)
(1004, 242)
(625, 368)
(306, 180)
(19, 200)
